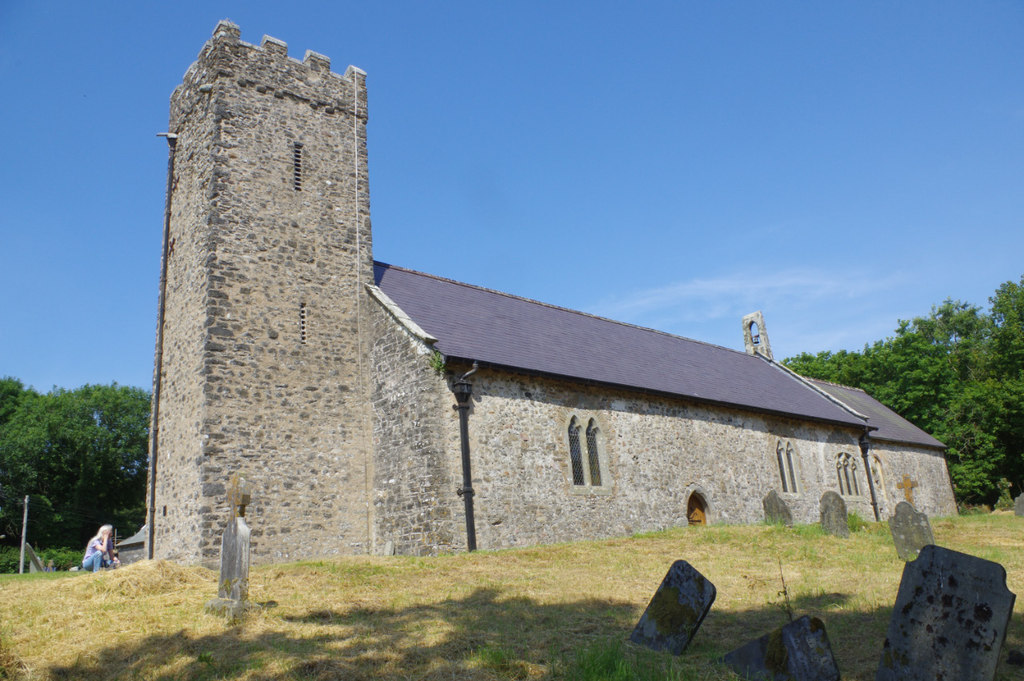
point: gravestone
(799, 651)
(233, 586)
(776, 511)
(1018, 505)
(911, 531)
(833, 515)
(949, 620)
(674, 614)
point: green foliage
(80, 455)
(611, 660)
(854, 522)
(62, 558)
(437, 362)
(957, 373)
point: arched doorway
(697, 510)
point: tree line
(79, 455)
(957, 373)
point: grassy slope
(513, 614)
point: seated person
(96, 549)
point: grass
(560, 612)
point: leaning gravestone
(776, 511)
(674, 614)
(799, 651)
(833, 515)
(949, 620)
(233, 587)
(911, 531)
(1018, 505)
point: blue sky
(839, 165)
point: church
(375, 409)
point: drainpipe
(865, 447)
(463, 390)
(154, 448)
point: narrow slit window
(789, 462)
(297, 166)
(592, 454)
(575, 453)
(302, 323)
(782, 466)
(787, 474)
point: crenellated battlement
(268, 245)
(269, 70)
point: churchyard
(562, 611)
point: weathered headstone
(776, 511)
(949, 620)
(674, 614)
(911, 531)
(833, 515)
(1018, 505)
(233, 586)
(799, 651)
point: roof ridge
(838, 385)
(557, 307)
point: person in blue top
(96, 549)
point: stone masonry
(280, 361)
(264, 322)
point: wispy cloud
(733, 295)
(806, 309)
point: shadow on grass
(482, 636)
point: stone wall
(415, 505)
(932, 491)
(655, 452)
(264, 334)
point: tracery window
(586, 458)
(592, 454)
(846, 473)
(784, 456)
(575, 454)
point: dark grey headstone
(911, 531)
(776, 511)
(799, 651)
(1018, 505)
(949, 621)
(674, 614)
(833, 515)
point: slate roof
(500, 330)
(891, 426)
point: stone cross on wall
(907, 486)
(239, 496)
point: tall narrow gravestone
(911, 531)
(233, 587)
(675, 613)
(776, 511)
(1018, 505)
(949, 620)
(833, 515)
(799, 651)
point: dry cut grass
(515, 615)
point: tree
(957, 373)
(79, 454)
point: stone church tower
(260, 364)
